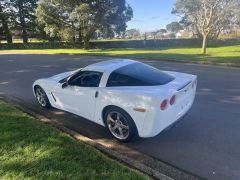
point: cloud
(155, 17)
(137, 20)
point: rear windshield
(138, 74)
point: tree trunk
(79, 36)
(73, 38)
(5, 27)
(24, 36)
(86, 42)
(22, 22)
(73, 33)
(204, 44)
(9, 37)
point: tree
(24, 16)
(162, 31)
(237, 13)
(174, 27)
(4, 18)
(54, 16)
(84, 17)
(208, 17)
(133, 33)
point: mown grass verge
(32, 150)
(223, 54)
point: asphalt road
(206, 142)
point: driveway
(206, 142)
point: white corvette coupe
(128, 97)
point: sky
(149, 15)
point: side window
(117, 79)
(138, 74)
(87, 79)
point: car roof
(109, 65)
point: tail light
(172, 100)
(164, 105)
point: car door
(79, 97)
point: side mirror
(64, 85)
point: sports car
(131, 99)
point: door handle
(96, 94)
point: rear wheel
(120, 124)
(42, 97)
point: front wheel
(120, 124)
(42, 97)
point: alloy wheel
(41, 97)
(118, 125)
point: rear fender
(130, 103)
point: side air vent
(53, 97)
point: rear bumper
(157, 121)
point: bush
(123, 44)
(40, 45)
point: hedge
(40, 45)
(122, 44)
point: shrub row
(40, 45)
(145, 44)
(162, 43)
(122, 44)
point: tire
(42, 97)
(120, 124)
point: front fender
(43, 83)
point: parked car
(129, 98)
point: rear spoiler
(185, 85)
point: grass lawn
(226, 54)
(32, 150)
